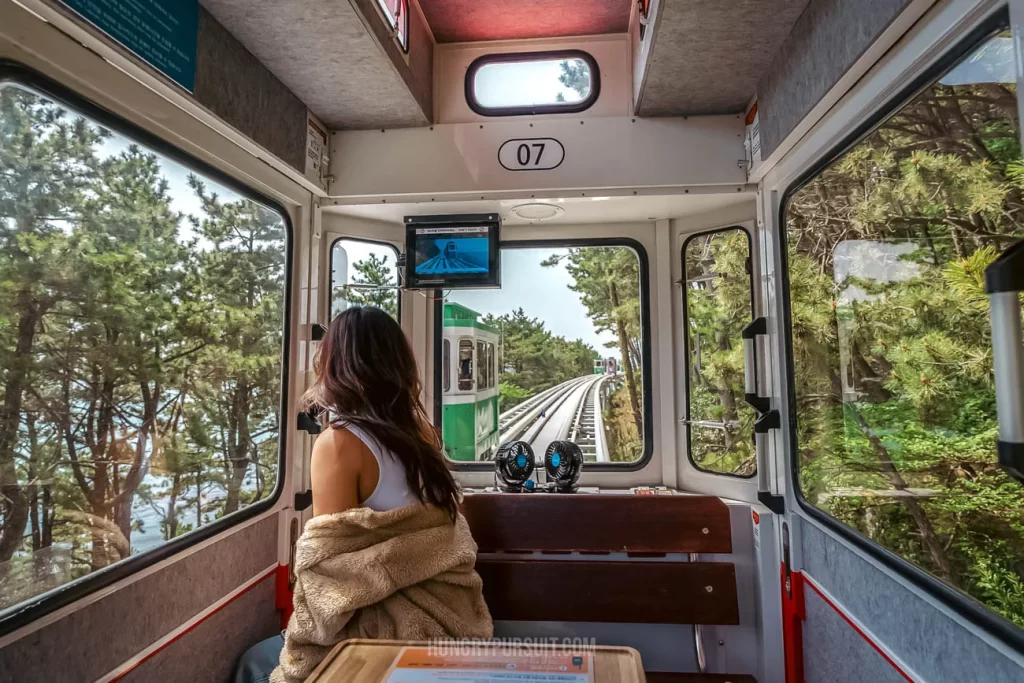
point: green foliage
(531, 359)
(576, 76)
(717, 309)
(608, 282)
(140, 350)
(375, 286)
(891, 341)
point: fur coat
(404, 574)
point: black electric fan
(563, 461)
(513, 465)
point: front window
(559, 312)
(141, 331)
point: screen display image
(449, 255)
(452, 251)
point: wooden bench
(516, 531)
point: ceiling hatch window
(396, 12)
(514, 84)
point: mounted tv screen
(452, 252)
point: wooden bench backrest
(519, 588)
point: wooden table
(368, 661)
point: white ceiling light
(536, 211)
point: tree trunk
(199, 498)
(620, 330)
(171, 517)
(33, 477)
(239, 449)
(15, 503)
(929, 537)
(48, 517)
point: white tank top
(392, 487)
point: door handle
(1004, 280)
(757, 327)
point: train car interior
(757, 262)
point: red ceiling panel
(457, 21)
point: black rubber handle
(1006, 273)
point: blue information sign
(162, 32)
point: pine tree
(374, 286)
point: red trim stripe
(260, 579)
(857, 629)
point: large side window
(364, 273)
(895, 405)
(141, 334)
(717, 306)
(560, 312)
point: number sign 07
(531, 154)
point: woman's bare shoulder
(337, 462)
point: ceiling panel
(708, 55)
(458, 21)
(575, 210)
(324, 53)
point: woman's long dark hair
(366, 375)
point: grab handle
(758, 327)
(1004, 280)
(767, 419)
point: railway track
(584, 430)
(565, 411)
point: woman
(386, 555)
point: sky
(521, 83)
(541, 292)
(183, 199)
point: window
(890, 339)
(481, 366)
(465, 365)
(643, 16)
(446, 367)
(142, 319)
(396, 13)
(491, 374)
(364, 273)
(716, 301)
(561, 309)
(513, 84)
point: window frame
(392, 22)
(330, 270)
(686, 345)
(531, 109)
(446, 366)
(471, 377)
(643, 12)
(28, 611)
(966, 607)
(481, 364)
(646, 372)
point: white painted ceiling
(576, 210)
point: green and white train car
(469, 384)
